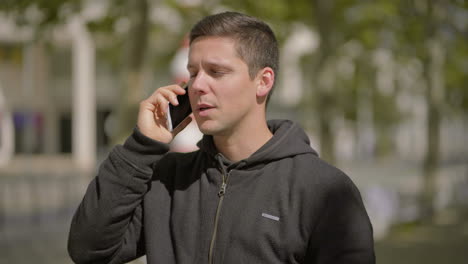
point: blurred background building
(380, 86)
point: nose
(198, 83)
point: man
(255, 192)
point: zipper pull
(222, 191)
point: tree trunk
(431, 158)
(433, 67)
(132, 90)
(324, 97)
(326, 135)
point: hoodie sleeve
(344, 232)
(107, 226)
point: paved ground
(39, 250)
(425, 244)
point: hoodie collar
(288, 140)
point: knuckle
(159, 98)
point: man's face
(221, 92)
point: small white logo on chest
(272, 217)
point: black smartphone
(177, 114)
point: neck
(243, 142)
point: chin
(209, 127)
(208, 131)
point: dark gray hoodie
(280, 205)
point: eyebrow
(211, 64)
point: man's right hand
(152, 120)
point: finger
(163, 96)
(162, 104)
(161, 119)
(175, 88)
(182, 125)
(178, 89)
(170, 96)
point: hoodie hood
(288, 140)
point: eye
(217, 72)
(193, 74)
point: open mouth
(203, 109)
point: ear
(266, 79)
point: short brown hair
(256, 43)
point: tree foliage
(400, 27)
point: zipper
(221, 192)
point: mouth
(204, 109)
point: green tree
(132, 89)
(430, 32)
(339, 24)
(42, 15)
